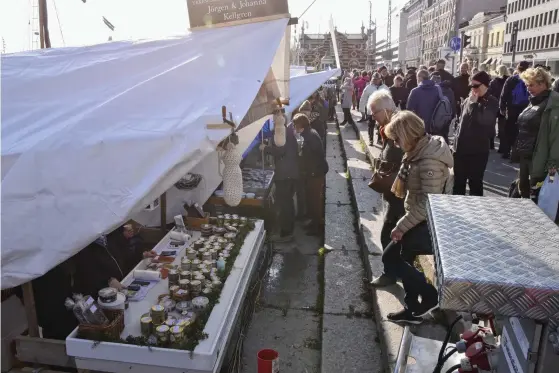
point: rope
(59, 24)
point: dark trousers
(300, 187)
(315, 200)
(285, 191)
(524, 176)
(511, 130)
(416, 241)
(331, 110)
(469, 168)
(371, 125)
(347, 116)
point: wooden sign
(212, 13)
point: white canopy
(300, 88)
(91, 135)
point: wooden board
(43, 351)
(219, 201)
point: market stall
(138, 123)
(258, 169)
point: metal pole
(461, 49)
(513, 38)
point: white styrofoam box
(116, 357)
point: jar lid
(162, 329)
(176, 329)
(157, 308)
(107, 292)
(200, 302)
(146, 319)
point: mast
(44, 25)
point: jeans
(285, 191)
(416, 241)
(469, 168)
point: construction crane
(35, 26)
(389, 28)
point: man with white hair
(382, 108)
(375, 85)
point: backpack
(520, 96)
(442, 115)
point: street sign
(455, 43)
(448, 57)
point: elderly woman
(347, 97)
(425, 170)
(382, 107)
(538, 135)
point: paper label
(93, 309)
(275, 366)
(520, 336)
(510, 356)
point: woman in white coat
(347, 100)
(375, 85)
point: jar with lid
(173, 289)
(185, 275)
(184, 283)
(207, 255)
(196, 286)
(191, 254)
(185, 264)
(107, 295)
(146, 326)
(213, 253)
(181, 295)
(207, 291)
(176, 336)
(157, 314)
(173, 277)
(196, 263)
(200, 277)
(162, 333)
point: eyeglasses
(474, 86)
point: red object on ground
(268, 361)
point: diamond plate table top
(495, 255)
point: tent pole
(31, 313)
(163, 205)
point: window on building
(555, 16)
(553, 41)
(547, 37)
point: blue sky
(73, 23)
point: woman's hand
(396, 235)
(114, 283)
(149, 254)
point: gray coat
(347, 96)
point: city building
(316, 50)
(538, 32)
(487, 35)
(382, 58)
(409, 50)
(440, 20)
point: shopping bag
(548, 199)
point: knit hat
(482, 77)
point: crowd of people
(419, 156)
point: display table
(208, 354)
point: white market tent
(92, 135)
(300, 88)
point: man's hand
(115, 284)
(396, 235)
(262, 147)
(149, 254)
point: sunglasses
(474, 86)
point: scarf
(400, 187)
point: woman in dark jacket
(473, 136)
(313, 168)
(538, 135)
(383, 106)
(495, 90)
(399, 92)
